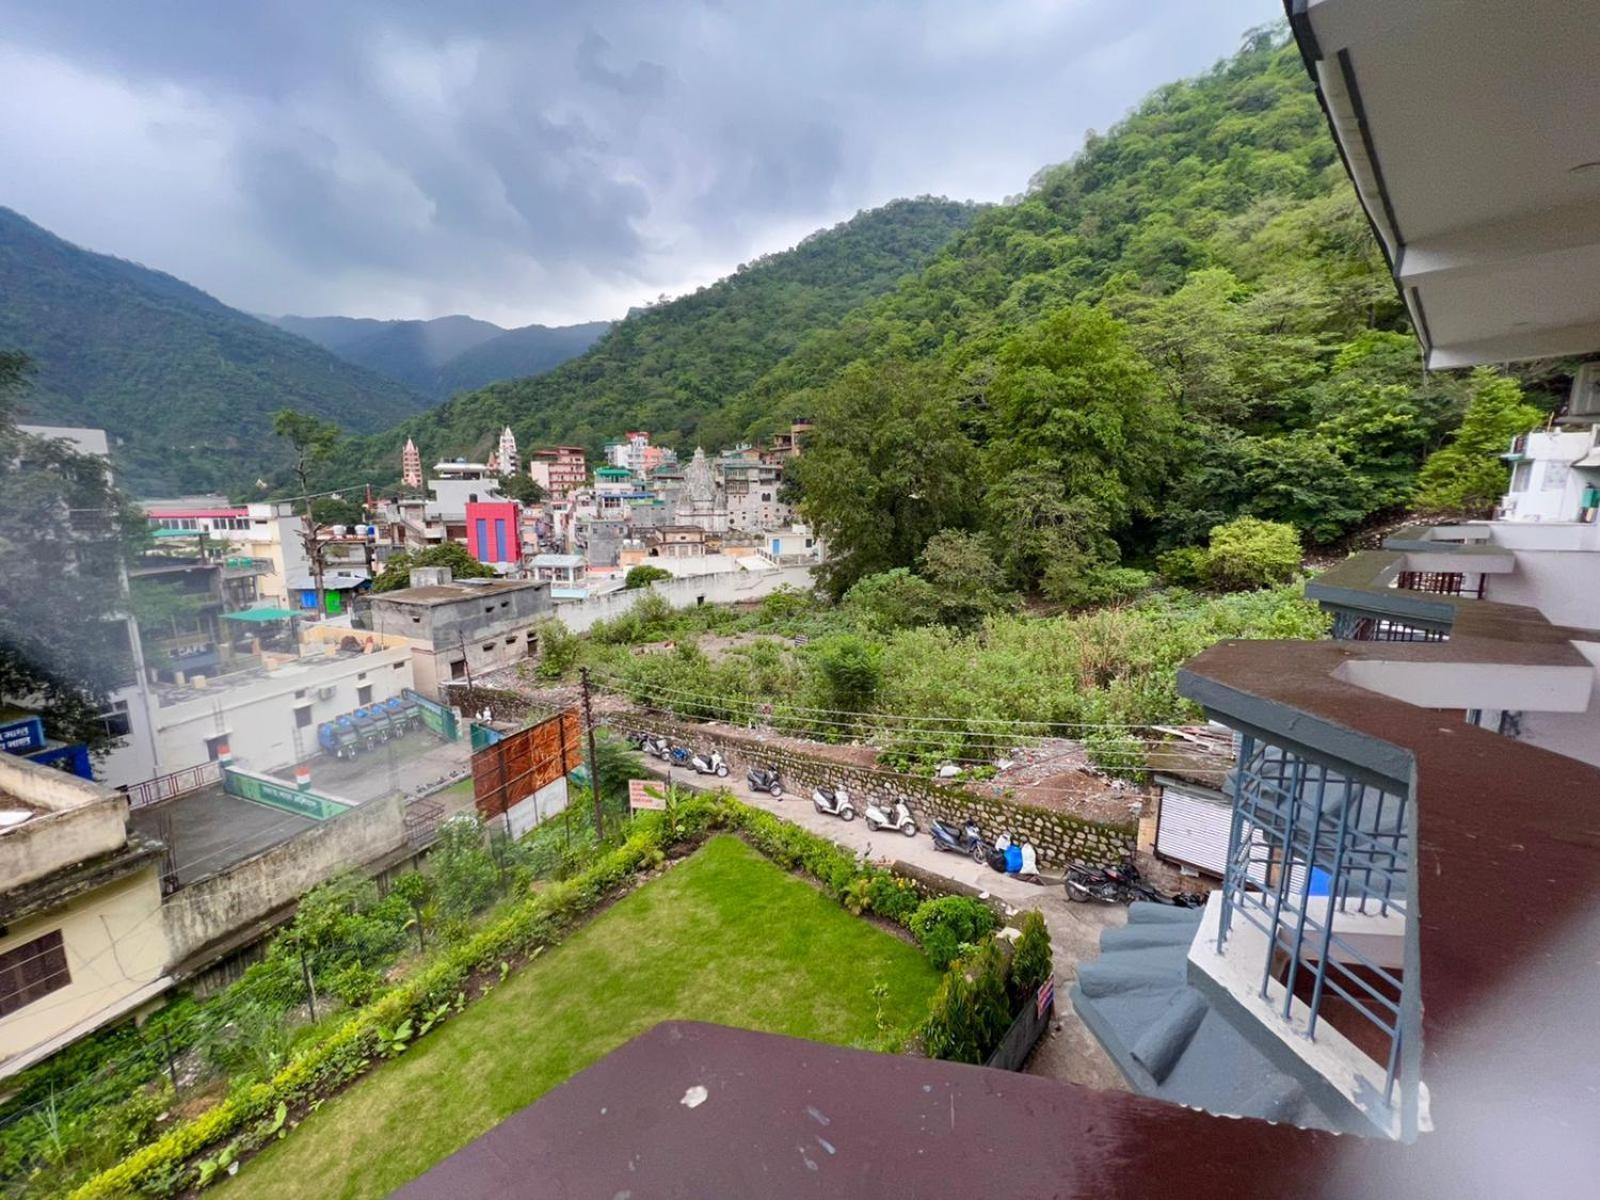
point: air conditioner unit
(326, 693)
(1585, 398)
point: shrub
(969, 1014)
(893, 898)
(1186, 566)
(559, 648)
(893, 600)
(944, 925)
(1032, 963)
(1251, 553)
(1080, 583)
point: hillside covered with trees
(668, 367)
(1188, 323)
(185, 385)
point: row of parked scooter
(1006, 853)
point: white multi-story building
(1555, 477)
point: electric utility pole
(594, 761)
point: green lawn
(725, 937)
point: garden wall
(211, 912)
(1058, 837)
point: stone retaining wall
(1058, 837)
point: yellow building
(82, 940)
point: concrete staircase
(1166, 1036)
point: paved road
(1070, 1053)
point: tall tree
(887, 467)
(312, 440)
(64, 530)
(1468, 474)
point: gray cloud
(549, 161)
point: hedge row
(249, 1118)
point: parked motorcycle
(679, 756)
(835, 802)
(765, 779)
(659, 747)
(1121, 884)
(709, 764)
(890, 816)
(966, 840)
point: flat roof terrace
(208, 831)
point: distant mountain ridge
(185, 385)
(673, 367)
(446, 354)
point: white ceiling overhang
(1471, 129)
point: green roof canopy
(259, 614)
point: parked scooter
(966, 840)
(835, 802)
(679, 756)
(765, 779)
(891, 816)
(659, 747)
(712, 764)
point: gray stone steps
(1165, 1036)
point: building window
(458, 669)
(32, 970)
(300, 695)
(399, 666)
(115, 719)
(488, 645)
(216, 746)
(364, 694)
(302, 715)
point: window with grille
(32, 970)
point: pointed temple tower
(508, 462)
(411, 465)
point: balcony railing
(1319, 863)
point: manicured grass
(724, 937)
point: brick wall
(1058, 837)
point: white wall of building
(730, 587)
(259, 716)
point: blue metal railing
(1309, 845)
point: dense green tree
(1071, 392)
(64, 531)
(521, 488)
(963, 571)
(396, 573)
(888, 466)
(1468, 475)
(892, 600)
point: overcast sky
(542, 161)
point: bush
(1032, 963)
(559, 648)
(969, 1014)
(892, 898)
(944, 925)
(893, 600)
(1250, 553)
(643, 576)
(1186, 567)
(1079, 583)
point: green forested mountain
(667, 367)
(516, 354)
(184, 384)
(1187, 322)
(445, 355)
